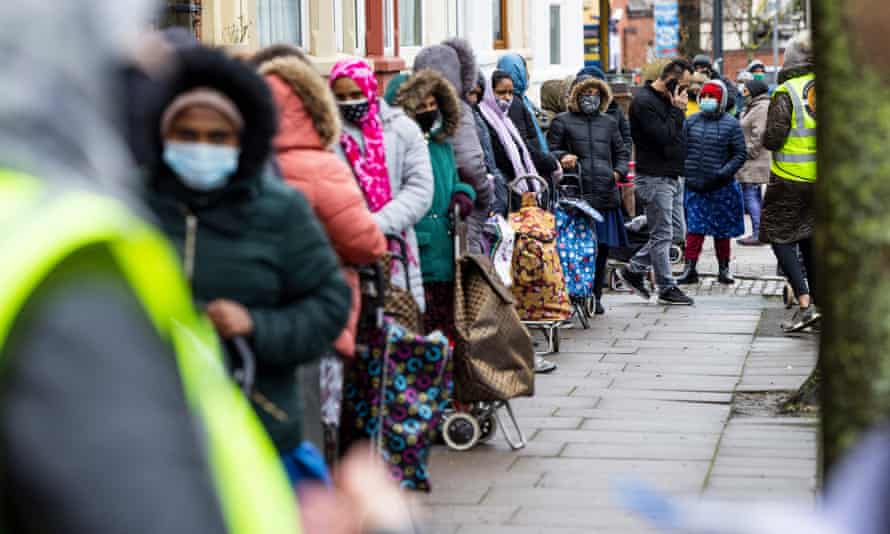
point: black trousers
(796, 262)
(599, 281)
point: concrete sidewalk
(647, 393)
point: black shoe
(690, 274)
(672, 296)
(803, 318)
(723, 276)
(636, 281)
(598, 308)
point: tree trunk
(853, 230)
(690, 27)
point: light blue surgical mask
(202, 166)
(708, 105)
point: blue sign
(667, 28)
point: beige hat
(202, 97)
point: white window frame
(413, 50)
(455, 11)
(337, 6)
(360, 30)
(549, 32)
(389, 29)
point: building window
(280, 21)
(410, 23)
(499, 18)
(183, 13)
(555, 35)
(453, 13)
(388, 25)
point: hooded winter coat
(788, 212)
(309, 124)
(756, 169)
(553, 100)
(596, 140)
(523, 117)
(454, 59)
(256, 242)
(716, 152)
(435, 235)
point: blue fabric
(611, 231)
(753, 196)
(514, 65)
(592, 70)
(305, 464)
(715, 150)
(720, 213)
(576, 241)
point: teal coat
(435, 232)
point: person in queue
(252, 249)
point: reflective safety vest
(796, 160)
(42, 229)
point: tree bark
(853, 232)
(690, 27)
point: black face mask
(354, 110)
(427, 120)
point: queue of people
(273, 186)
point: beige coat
(756, 169)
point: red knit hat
(711, 90)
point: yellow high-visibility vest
(796, 160)
(44, 229)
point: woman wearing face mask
(389, 158)
(431, 101)
(588, 141)
(496, 177)
(510, 153)
(252, 248)
(716, 151)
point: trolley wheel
(488, 427)
(581, 311)
(615, 281)
(676, 254)
(461, 431)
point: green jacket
(260, 245)
(435, 235)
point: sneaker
(802, 319)
(544, 366)
(750, 242)
(636, 281)
(672, 296)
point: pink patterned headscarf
(369, 168)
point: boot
(723, 276)
(690, 274)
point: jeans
(660, 194)
(753, 195)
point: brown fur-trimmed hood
(307, 107)
(586, 84)
(426, 82)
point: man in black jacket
(656, 123)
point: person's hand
(681, 98)
(379, 503)
(463, 202)
(230, 318)
(617, 176)
(569, 161)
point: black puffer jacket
(596, 140)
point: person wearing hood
(523, 111)
(308, 125)
(455, 60)
(116, 413)
(554, 100)
(498, 182)
(388, 155)
(588, 140)
(431, 101)
(755, 173)
(252, 249)
(788, 214)
(714, 206)
(511, 155)
(614, 110)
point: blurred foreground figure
(116, 413)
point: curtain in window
(278, 21)
(409, 23)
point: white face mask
(504, 104)
(202, 166)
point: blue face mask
(201, 166)
(708, 105)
